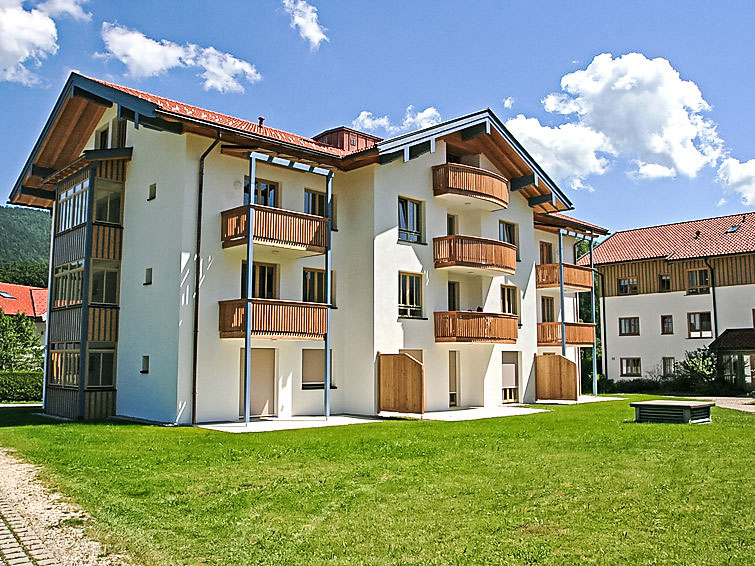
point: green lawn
(579, 485)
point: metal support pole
(328, 289)
(249, 198)
(594, 328)
(561, 287)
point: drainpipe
(713, 293)
(594, 330)
(603, 316)
(561, 287)
(249, 287)
(197, 267)
(328, 291)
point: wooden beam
(90, 97)
(37, 193)
(105, 154)
(474, 131)
(39, 171)
(519, 183)
(388, 157)
(540, 199)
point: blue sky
(658, 131)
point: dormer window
(732, 229)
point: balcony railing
(577, 334)
(466, 180)
(576, 277)
(468, 326)
(275, 227)
(272, 318)
(470, 251)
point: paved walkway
(468, 413)
(269, 424)
(19, 545)
(744, 404)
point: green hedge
(18, 386)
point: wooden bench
(660, 411)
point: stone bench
(660, 411)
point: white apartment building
(442, 258)
(673, 288)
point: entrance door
(453, 295)
(263, 382)
(546, 252)
(510, 377)
(453, 378)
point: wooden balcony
(576, 277)
(478, 253)
(487, 188)
(577, 334)
(470, 326)
(272, 318)
(276, 227)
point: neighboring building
(22, 299)
(673, 288)
(736, 348)
(444, 246)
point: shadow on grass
(32, 416)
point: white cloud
(737, 176)
(145, 57)
(508, 102)
(71, 8)
(722, 201)
(412, 120)
(26, 37)
(652, 171)
(304, 17)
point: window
(264, 280)
(145, 364)
(104, 282)
(509, 299)
(629, 326)
(73, 202)
(118, 128)
(451, 223)
(667, 324)
(410, 295)
(546, 252)
(101, 368)
(547, 310)
(316, 203)
(409, 220)
(313, 369)
(667, 367)
(148, 276)
(698, 325)
(664, 283)
(451, 158)
(266, 193)
(107, 202)
(64, 364)
(67, 284)
(453, 296)
(101, 139)
(627, 286)
(732, 229)
(313, 286)
(5, 295)
(509, 232)
(152, 192)
(631, 367)
(697, 282)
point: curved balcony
(304, 234)
(273, 318)
(473, 252)
(577, 334)
(470, 326)
(576, 277)
(468, 184)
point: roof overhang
(560, 222)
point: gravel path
(744, 404)
(39, 527)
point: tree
(32, 273)
(20, 347)
(699, 368)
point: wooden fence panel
(401, 384)
(556, 378)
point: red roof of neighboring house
(682, 240)
(15, 299)
(196, 113)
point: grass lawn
(578, 485)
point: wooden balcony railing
(469, 326)
(577, 334)
(275, 227)
(576, 277)
(272, 318)
(471, 181)
(470, 251)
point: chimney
(697, 234)
(261, 119)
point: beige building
(435, 280)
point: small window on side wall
(145, 364)
(148, 276)
(152, 192)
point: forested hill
(24, 235)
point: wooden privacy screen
(401, 384)
(555, 378)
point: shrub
(18, 386)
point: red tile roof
(682, 240)
(208, 116)
(29, 300)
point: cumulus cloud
(739, 177)
(146, 57)
(304, 18)
(412, 120)
(26, 37)
(508, 102)
(71, 8)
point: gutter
(197, 266)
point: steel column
(561, 287)
(249, 287)
(328, 290)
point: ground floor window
(631, 367)
(699, 325)
(667, 367)
(64, 364)
(101, 367)
(313, 368)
